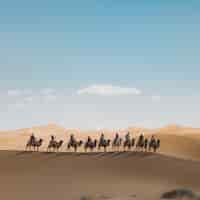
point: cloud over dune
(108, 90)
(156, 98)
(19, 92)
(14, 92)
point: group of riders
(128, 143)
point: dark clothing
(72, 139)
(116, 138)
(32, 139)
(145, 143)
(102, 138)
(127, 137)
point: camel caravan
(118, 144)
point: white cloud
(27, 92)
(19, 105)
(19, 92)
(108, 90)
(50, 97)
(156, 98)
(14, 92)
(48, 94)
(47, 91)
(28, 99)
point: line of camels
(128, 144)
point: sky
(99, 63)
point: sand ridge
(183, 142)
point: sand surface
(66, 176)
(98, 176)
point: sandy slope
(178, 141)
(67, 176)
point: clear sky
(99, 63)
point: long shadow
(106, 155)
(140, 154)
(121, 154)
(96, 154)
(76, 154)
(63, 154)
(24, 153)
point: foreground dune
(68, 176)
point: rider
(141, 137)
(32, 138)
(145, 144)
(89, 140)
(153, 139)
(127, 137)
(72, 139)
(152, 142)
(52, 139)
(116, 137)
(102, 138)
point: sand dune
(183, 142)
(68, 176)
(98, 176)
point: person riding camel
(32, 139)
(145, 144)
(152, 139)
(102, 138)
(89, 140)
(52, 139)
(141, 137)
(116, 137)
(72, 139)
(152, 142)
(127, 137)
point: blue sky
(52, 50)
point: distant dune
(183, 142)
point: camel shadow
(119, 154)
(140, 154)
(62, 154)
(104, 154)
(24, 153)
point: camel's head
(41, 140)
(80, 143)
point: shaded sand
(183, 142)
(68, 176)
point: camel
(128, 144)
(155, 144)
(140, 143)
(117, 142)
(36, 144)
(74, 144)
(146, 144)
(104, 143)
(90, 145)
(29, 145)
(55, 145)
